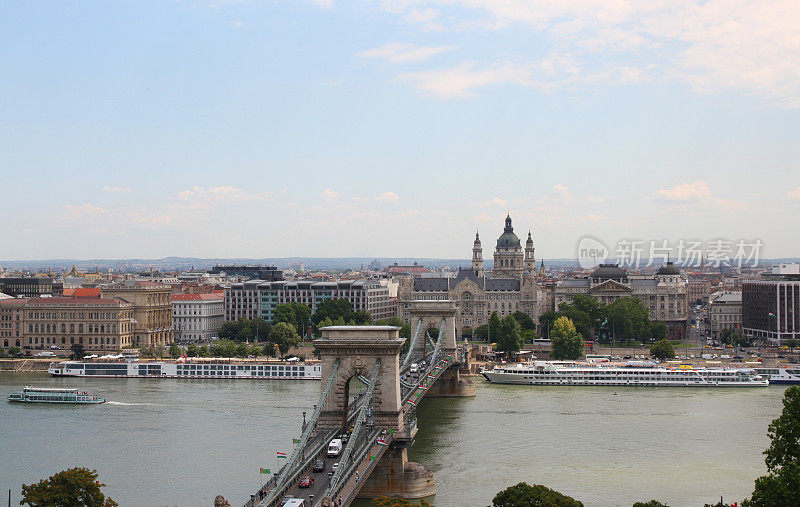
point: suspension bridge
(369, 395)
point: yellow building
(152, 310)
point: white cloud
(496, 202)
(460, 81)
(205, 197)
(401, 52)
(595, 199)
(712, 45)
(406, 213)
(388, 197)
(330, 195)
(237, 23)
(686, 192)
(794, 194)
(72, 212)
(562, 193)
(116, 190)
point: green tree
(580, 319)
(525, 495)
(159, 351)
(174, 351)
(77, 351)
(192, 350)
(780, 486)
(362, 318)
(466, 332)
(651, 503)
(591, 307)
(629, 318)
(528, 336)
(229, 330)
(15, 351)
(565, 341)
(546, 321)
(481, 332)
(494, 326)
(203, 351)
(526, 323)
(335, 309)
(658, 331)
(242, 350)
(284, 336)
(297, 314)
(68, 488)
(791, 343)
(509, 339)
(256, 351)
(269, 349)
(260, 329)
(662, 350)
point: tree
(174, 351)
(651, 503)
(580, 319)
(68, 488)
(525, 495)
(791, 343)
(466, 332)
(297, 314)
(782, 483)
(284, 336)
(256, 351)
(192, 350)
(629, 318)
(591, 307)
(203, 351)
(269, 349)
(658, 331)
(528, 336)
(15, 351)
(662, 350)
(159, 351)
(77, 351)
(546, 320)
(494, 326)
(526, 323)
(362, 318)
(566, 342)
(481, 332)
(333, 308)
(242, 350)
(509, 339)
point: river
(182, 442)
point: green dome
(508, 239)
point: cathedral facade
(509, 287)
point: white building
(725, 313)
(197, 316)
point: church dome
(508, 239)
(668, 269)
(609, 272)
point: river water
(182, 442)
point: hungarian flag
(282, 455)
(431, 375)
(412, 403)
(382, 442)
(265, 470)
(421, 386)
(771, 314)
(295, 440)
(390, 431)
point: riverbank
(22, 365)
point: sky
(395, 128)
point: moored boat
(192, 368)
(781, 375)
(609, 374)
(54, 395)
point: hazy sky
(394, 128)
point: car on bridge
(319, 466)
(306, 482)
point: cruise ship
(781, 375)
(54, 395)
(557, 373)
(191, 368)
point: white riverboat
(781, 375)
(54, 395)
(191, 368)
(555, 373)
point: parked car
(306, 482)
(319, 465)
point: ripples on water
(182, 442)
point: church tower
(530, 262)
(508, 254)
(477, 256)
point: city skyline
(395, 129)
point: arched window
(80, 340)
(63, 328)
(80, 328)
(72, 328)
